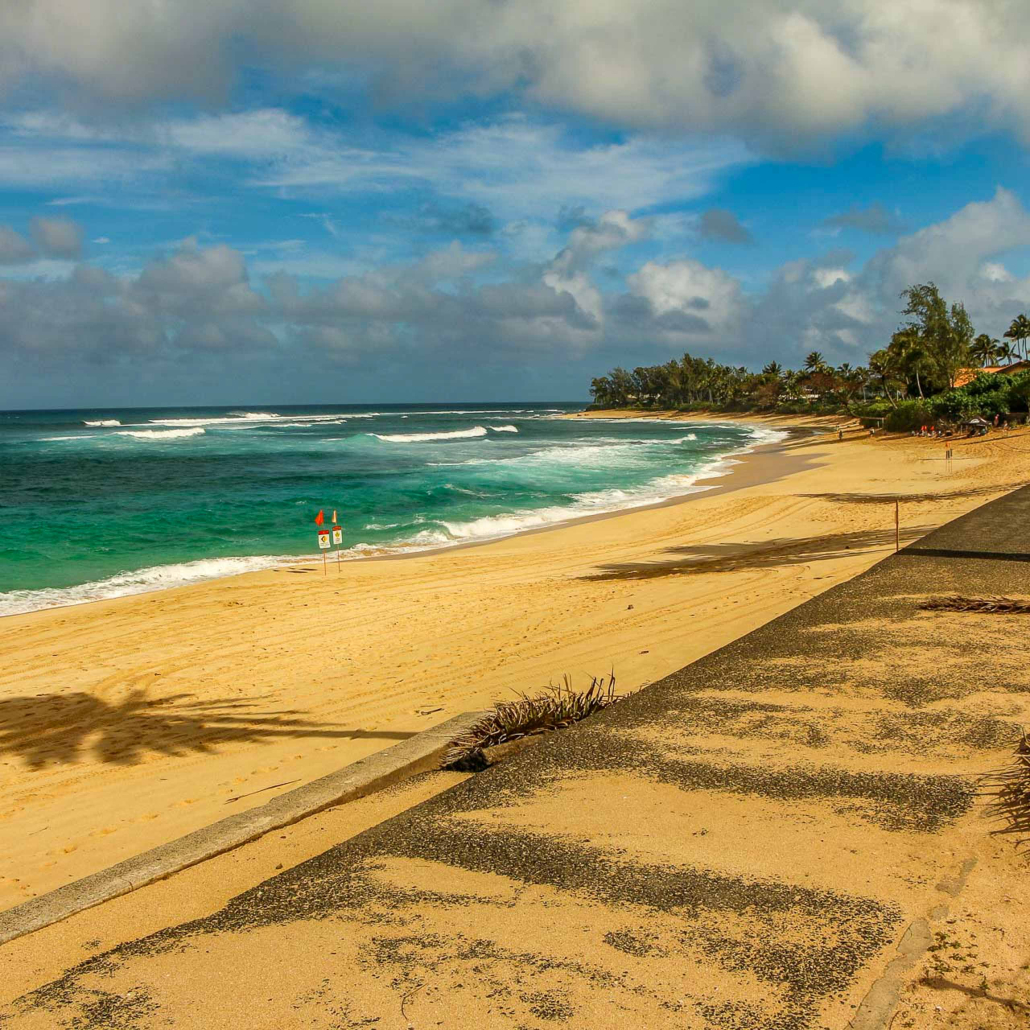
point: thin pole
(897, 526)
(323, 564)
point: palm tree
(774, 370)
(1004, 353)
(884, 366)
(911, 353)
(985, 349)
(815, 362)
(1024, 330)
(1018, 331)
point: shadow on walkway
(51, 729)
(773, 554)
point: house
(967, 375)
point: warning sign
(337, 536)
(323, 539)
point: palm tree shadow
(733, 557)
(55, 729)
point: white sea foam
(161, 435)
(307, 425)
(245, 419)
(503, 429)
(157, 577)
(457, 434)
(158, 435)
(597, 502)
(103, 422)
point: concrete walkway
(782, 835)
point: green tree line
(908, 379)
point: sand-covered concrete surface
(795, 831)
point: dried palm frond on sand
(1012, 789)
(991, 605)
(553, 709)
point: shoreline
(406, 552)
(134, 720)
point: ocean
(106, 502)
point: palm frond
(989, 605)
(554, 708)
(1011, 790)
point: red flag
(320, 518)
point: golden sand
(127, 723)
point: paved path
(770, 839)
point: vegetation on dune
(555, 708)
(909, 383)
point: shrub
(908, 415)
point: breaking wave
(161, 435)
(157, 577)
(457, 434)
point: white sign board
(323, 539)
(337, 536)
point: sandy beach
(126, 723)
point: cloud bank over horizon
(198, 307)
(228, 201)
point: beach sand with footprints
(795, 831)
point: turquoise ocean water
(102, 503)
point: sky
(304, 201)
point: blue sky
(300, 202)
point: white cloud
(778, 69)
(200, 300)
(516, 168)
(14, 248)
(995, 272)
(826, 277)
(57, 237)
(690, 297)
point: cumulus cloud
(14, 248)
(847, 314)
(719, 224)
(776, 69)
(874, 219)
(568, 271)
(459, 306)
(57, 237)
(689, 298)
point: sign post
(323, 543)
(337, 540)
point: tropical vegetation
(907, 383)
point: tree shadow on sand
(53, 729)
(772, 554)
